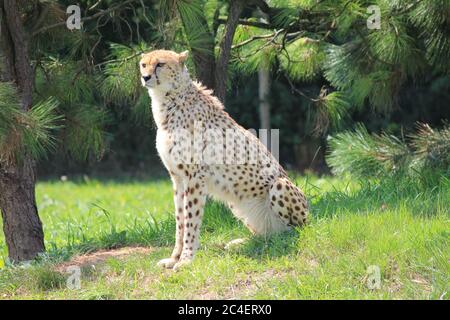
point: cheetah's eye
(159, 65)
(143, 65)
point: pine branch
(119, 60)
(83, 134)
(296, 90)
(263, 6)
(25, 132)
(258, 37)
(244, 22)
(432, 147)
(200, 39)
(94, 16)
(41, 18)
(406, 9)
(364, 155)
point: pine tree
(364, 68)
(21, 223)
(49, 101)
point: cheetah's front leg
(178, 197)
(194, 202)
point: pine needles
(302, 59)
(83, 134)
(23, 132)
(432, 147)
(331, 38)
(121, 75)
(378, 155)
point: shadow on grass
(420, 198)
(219, 219)
(152, 232)
(274, 246)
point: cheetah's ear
(182, 57)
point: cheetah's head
(163, 69)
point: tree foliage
(88, 76)
(77, 76)
(24, 132)
(309, 39)
(366, 155)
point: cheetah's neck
(164, 103)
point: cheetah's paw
(180, 264)
(235, 244)
(167, 263)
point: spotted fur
(258, 191)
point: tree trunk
(264, 84)
(264, 91)
(21, 224)
(236, 7)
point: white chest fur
(157, 106)
(162, 145)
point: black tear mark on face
(158, 65)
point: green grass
(402, 227)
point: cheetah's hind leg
(288, 201)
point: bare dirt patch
(99, 257)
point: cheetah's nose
(146, 78)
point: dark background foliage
(131, 147)
(88, 65)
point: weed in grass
(47, 279)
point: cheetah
(256, 188)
